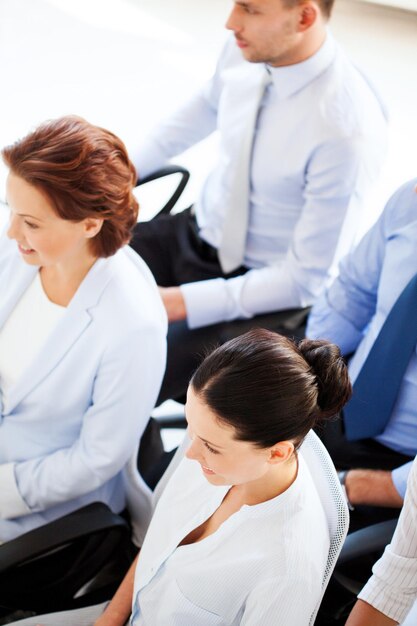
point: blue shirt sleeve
(400, 477)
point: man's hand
(372, 487)
(174, 303)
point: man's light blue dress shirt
(319, 144)
(353, 310)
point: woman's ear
(92, 226)
(281, 452)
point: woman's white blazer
(73, 419)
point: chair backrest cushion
(333, 501)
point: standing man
(302, 137)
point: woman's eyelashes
(210, 449)
(31, 224)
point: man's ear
(308, 15)
(281, 452)
(92, 226)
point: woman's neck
(60, 282)
(274, 483)
(255, 492)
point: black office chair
(80, 559)
(62, 565)
(169, 170)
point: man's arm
(363, 614)
(118, 611)
(342, 313)
(372, 487)
(174, 303)
(333, 191)
(377, 487)
(192, 122)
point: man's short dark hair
(326, 6)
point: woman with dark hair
(82, 328)
(239, 535)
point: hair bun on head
(330, 369)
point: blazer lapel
(74, 322)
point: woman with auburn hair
(239, 535)
(82, 327)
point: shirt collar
(289, 79)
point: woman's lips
(24, 250)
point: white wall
(409, 5)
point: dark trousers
(176, 255)
(362, 454)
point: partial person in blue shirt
(317, 139)
(351, 313)
(82, 326)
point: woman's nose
(13, 228)
(192, 451)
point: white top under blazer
(25, 332)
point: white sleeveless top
(25, 332)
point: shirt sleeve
(400, 477)
(393, 587)
(343, 311)
(110, 430)
(191, 123)
(336, 181)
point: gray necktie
(232, 246)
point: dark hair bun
(330, 369)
